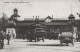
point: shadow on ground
(20, 41)
(45, 45)
(24, 41)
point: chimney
(33, 16)
(52, 16)
(38, 17)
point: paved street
(19, 45)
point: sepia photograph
(39, 25)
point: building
(20, 28)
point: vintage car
(66, 37)
(31, 36)
(36, 35)
(40, 34)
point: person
(77, 37)
(1, 39)
(13, 36)
(59, 36)
(8, 37)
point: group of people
(54, 34)
(2, 37)
(78, 37)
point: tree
(78, 14)
(3, 21)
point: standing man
(8, 37)
(13, 36)
(1, 39)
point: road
(19, 45)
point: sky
(58, 8)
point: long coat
(1, 40)
(8, 36)
(1, 36)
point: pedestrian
(77, 37)
(1, 39)
(13, 36)
(8, 37)
(59, 36)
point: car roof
(66, 34)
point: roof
(15, 10)
(24, 24)
(49, 17)
(42, 22)
(10, 24)
(33, 19)
(60, 20)
(15, 15)
(55, 23)
(71, 16)
(30, 21)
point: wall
(12, 31)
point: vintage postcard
(39, 25)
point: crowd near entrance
(22, 33)
(53, 34)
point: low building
(19, 28)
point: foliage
(3, 21)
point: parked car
(66, 37)
(31, 36)
(40, 34)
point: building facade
(19, 28)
